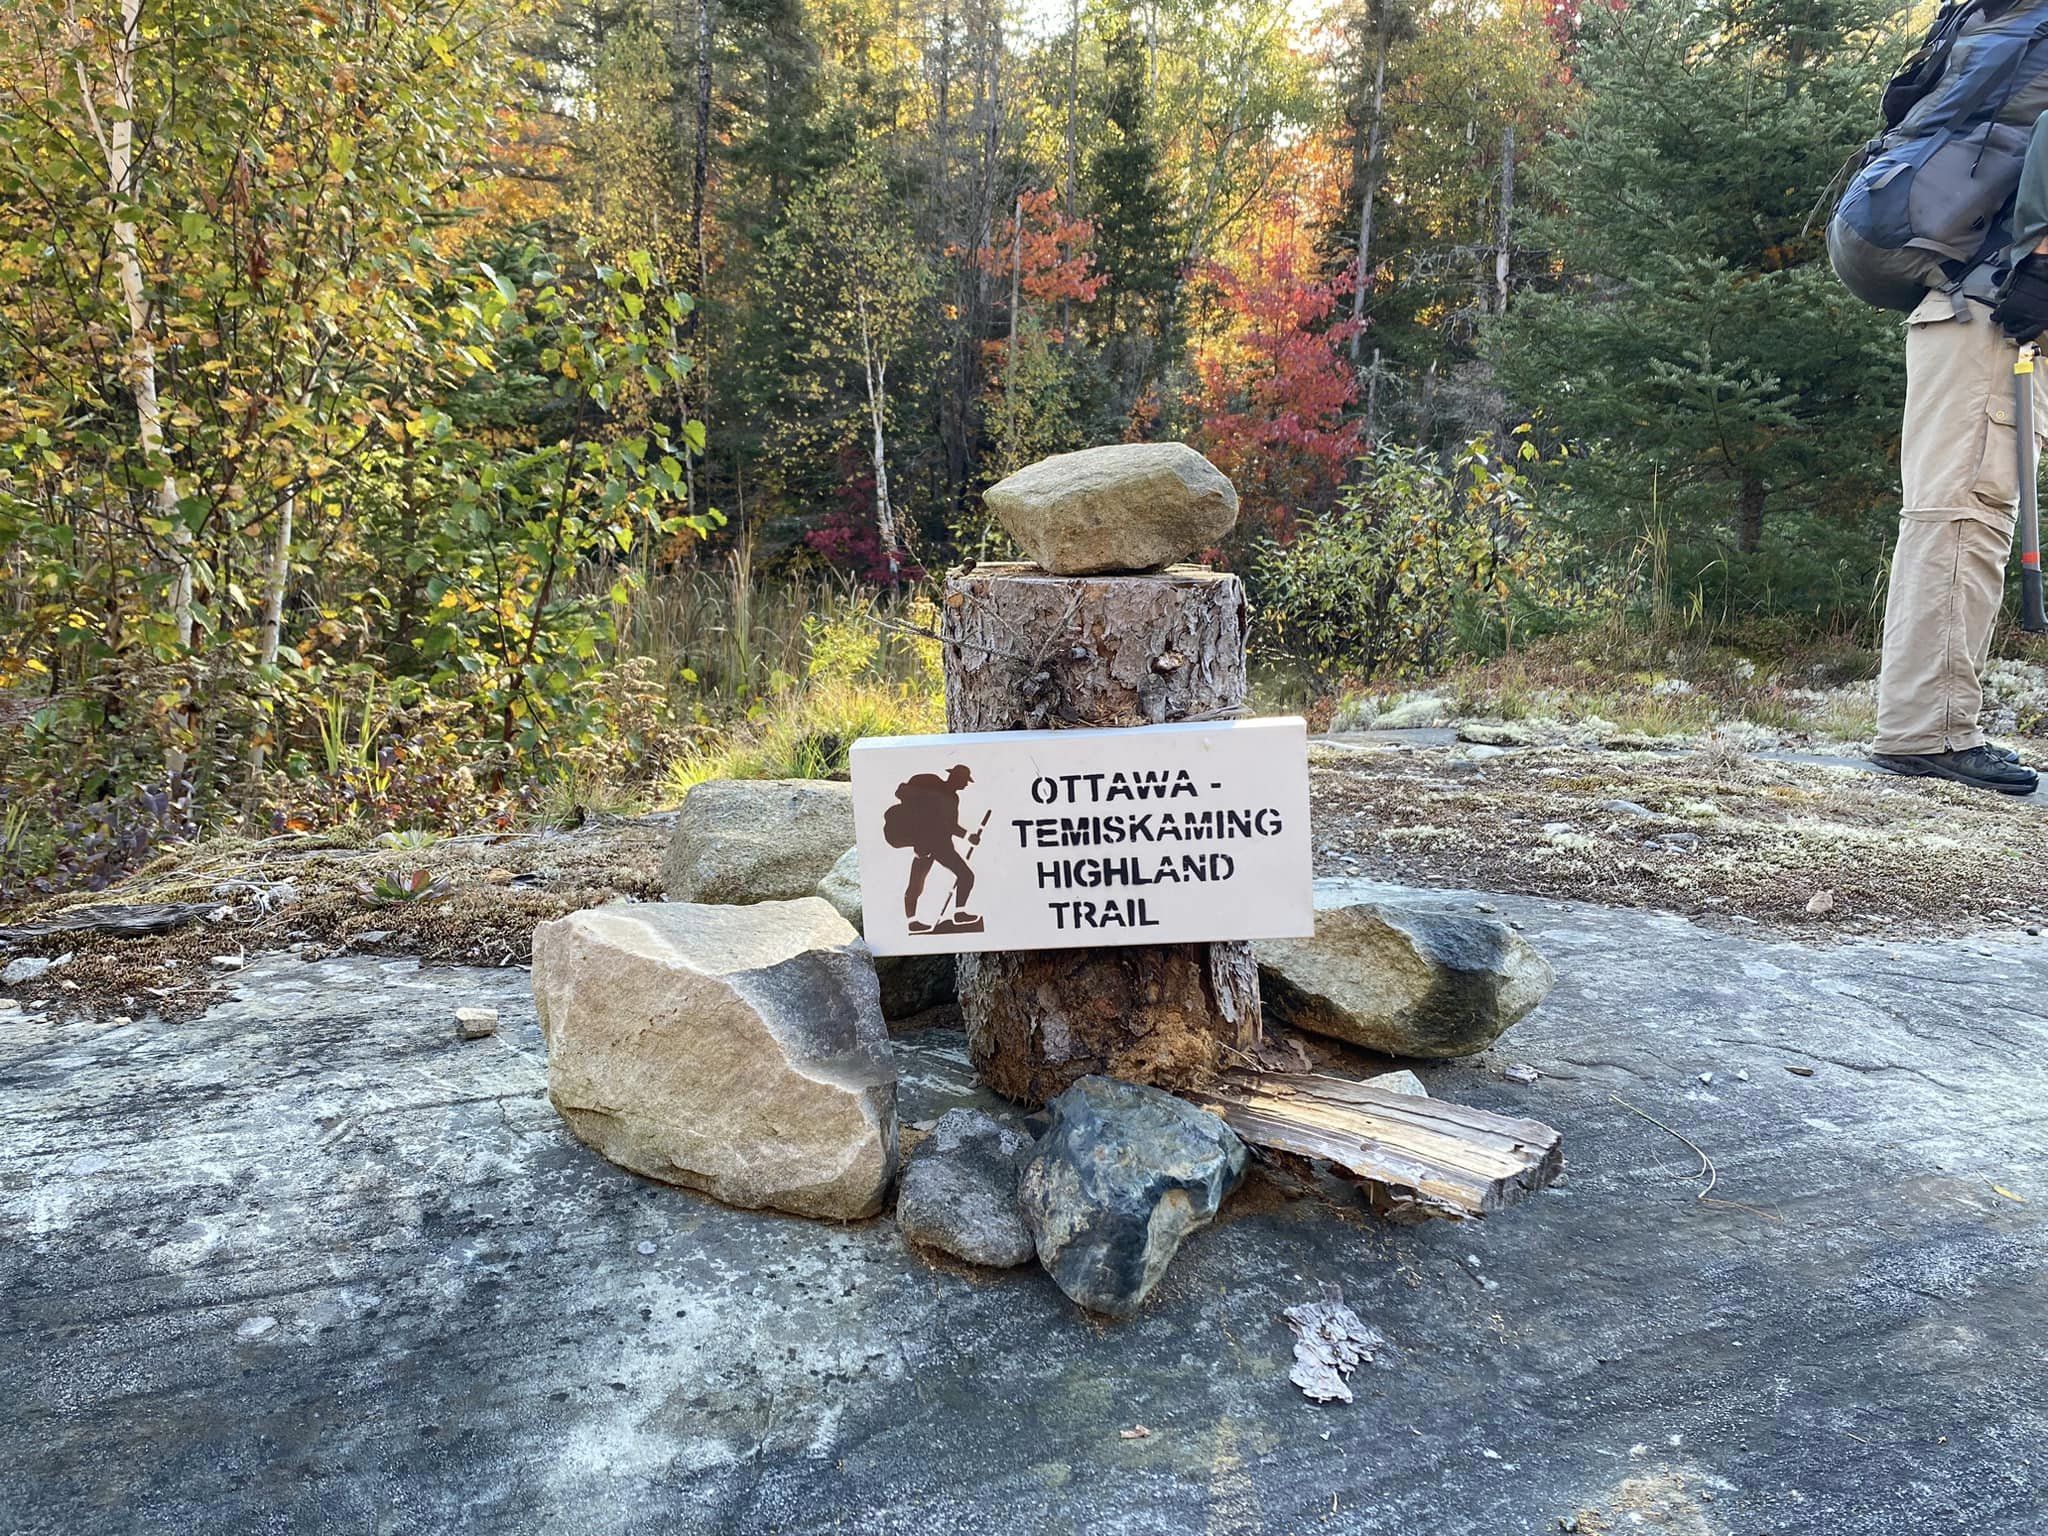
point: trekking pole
(973, 843)
(2033, 618)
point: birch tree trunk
(875, 369)
(1369, 194)
(116, 139)
(1025, 650)
(700, 169)
(1073, 155)
(1501, 249)
(270, 633)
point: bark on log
(1025, 650)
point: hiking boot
(1978, 767)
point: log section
(1025, 650)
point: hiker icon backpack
(1931, 200)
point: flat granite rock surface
(310, 1262)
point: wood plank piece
(1471, 1161)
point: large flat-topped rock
(1125, 507)
(736, 1050)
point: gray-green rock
(1405, 981)
(1496, 733)
(1118, 1181)
(1125, 507)
(735, 1050)
(744, 840)
(958, 1192)
(1420, 712)
(911, 984)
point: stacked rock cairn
(734, 1039)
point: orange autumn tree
(1046, 262)
(1273, 385)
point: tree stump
(1025, 650)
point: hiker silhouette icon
(926, 820)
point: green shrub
(1417, 559)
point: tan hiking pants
(1959, 462)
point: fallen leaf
(1800, 1071)
(2000, 1189)
(1136, 1432)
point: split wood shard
(1467, 1162)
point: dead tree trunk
(1028, 651)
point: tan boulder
(744, 840)
(735, 1050)
(1125, 507)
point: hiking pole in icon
(973, 842)
(2033, 618)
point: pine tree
(1701, 349)
(1136, 235)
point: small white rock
(251, 1328)
(1707, 1078)
(1400, 1082)
(1521, 1072)
(644, 1246)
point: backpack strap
(2000, 83)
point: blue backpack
(1931, 202)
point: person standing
(1948, 218)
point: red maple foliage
(1052, 256)
(1275, 387)
(846, 537)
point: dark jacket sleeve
(2030, 203)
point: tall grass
(782, 671)
(732, 634)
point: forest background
(422, 414)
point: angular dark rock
(1119, 1180)
(958, 1191)
(1408, 981)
